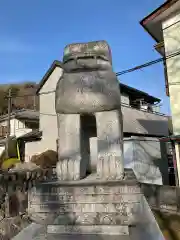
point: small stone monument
(87, 202)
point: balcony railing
(143, 110)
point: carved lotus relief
(107, 219)
(121, 208)
(86, 218)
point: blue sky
(34, 33)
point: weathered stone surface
(104, 229)
(110, 147)
(88, 86)
(79, 207)
(81, 236)
(92, 218)
(70, 165)
(87, 90)
(77, 190)
(80, 218)
(94, 48)
(86, 198)
(32, 232)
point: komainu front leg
(110, 145)
(69, 166)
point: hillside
(23, 96)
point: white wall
(156, 108)
(124, 98)
(33, 148)
(171, 33)
(48, 118)
(1, 149)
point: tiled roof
(28, 114)
(32, 134)
(48, 73)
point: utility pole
(8, 121)
(34, 102)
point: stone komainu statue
(88, 86)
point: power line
(32, 95)
(139, 67)
(148, 64)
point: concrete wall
(147, 157)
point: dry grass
(169, 224)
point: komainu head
(88, 83)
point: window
(31, 124)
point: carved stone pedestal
(86, 207)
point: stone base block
(85, 237)
(86, 206)
(102, 230)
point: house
(163, 24)
(143, 125)
(22, 122)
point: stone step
(90, 230)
